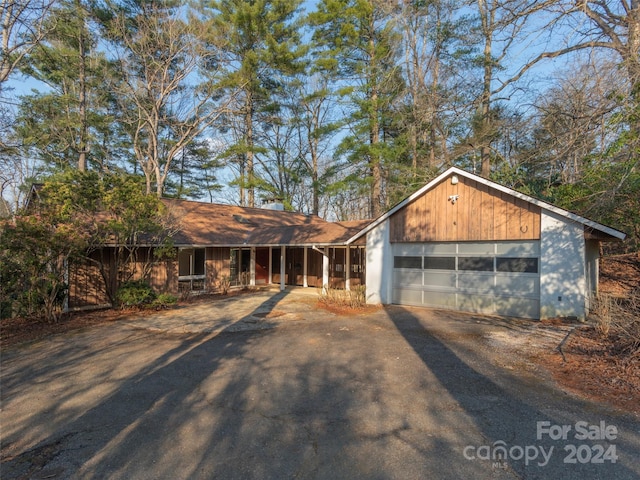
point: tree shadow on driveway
(504, 410)
(240, 404)
(149, 391)
(371, 397)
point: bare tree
(576, 119)
(166, 100)
(588, 25)
(502, 25)
(428, 31)
(23, 27)
(315, 113)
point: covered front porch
(341, 267)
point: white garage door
(489, 277)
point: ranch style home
(461, 242)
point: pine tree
(260, 45)
(69, 123)
(358, 45)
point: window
(407, 262)
(519, 265)
(191, 262)
(191, 269)
(439, 263)
(476, 264)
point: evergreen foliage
(337, 107)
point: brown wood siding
(86, 286)
(161, 275)
(164, 277)
(218, 265)
(479, 214)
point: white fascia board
(457, 171)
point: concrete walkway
(241, 311)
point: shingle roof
(327, 233)
(209, 224)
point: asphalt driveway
(266, 386)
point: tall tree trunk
(487, 13)
(314, 175)
(374, 134)
(433, 117)
(248, 123)
(82, 95)
(376, 171)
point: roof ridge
(230, 205)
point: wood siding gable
(479, 213)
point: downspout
(347, 268)
(325, 267)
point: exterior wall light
(454, 180)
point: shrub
(618, 319)
(135, 293)
(354, 298)
(225, 284)
(164, 300)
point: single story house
(461, 242)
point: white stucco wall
(563, 285)
(379, 273)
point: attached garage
(466, 243)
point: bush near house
(135, 293)
(69, 216)
(138, 293)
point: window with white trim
(191, 268)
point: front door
(262, 265)
(294, 267)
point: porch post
(252, 267)
(347, 268)
(304, 268)
(325, 270)
(283, 253)
(270, 279)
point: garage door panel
(407, 278)
(518, 249)
(474, 281)
(439, 299)
(476, 248)
(475, 303)
(408, 249)
(405, 296)
(439, 279)
(487, 277)
(518, 307)
(517, 284)
(439, 248)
